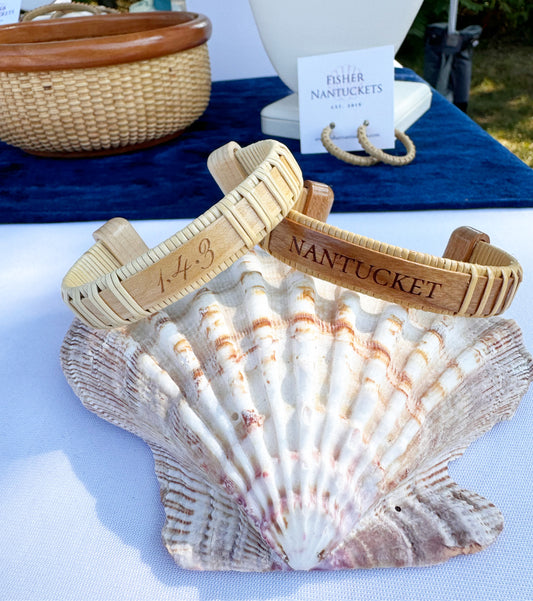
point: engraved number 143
(205, 262)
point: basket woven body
(104, 109)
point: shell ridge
(302, 533)
(199, 406)
(258, 488)
(82, 354)
(336, 430)
(430, 511)
(219, 535)
(348, 501)
(480, 401)
(198, 403)
(380, 332)
(266, 417)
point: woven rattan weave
(94, 108)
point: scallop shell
(298, 425)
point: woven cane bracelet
(119, 280)
(472, 279)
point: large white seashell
(295, 424)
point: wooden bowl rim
(100, 40)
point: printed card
(9, 11)
(347, 88)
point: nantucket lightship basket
(97, 85)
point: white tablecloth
(80, 516)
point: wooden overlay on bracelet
(375, 273)
(197, 258)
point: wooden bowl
(104, 84)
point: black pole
(448, 61)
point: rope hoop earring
(375, 154)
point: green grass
(501, 93)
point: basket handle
(61, 8)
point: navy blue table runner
(458, 166)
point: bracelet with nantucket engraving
(119, 280)
(472, 279)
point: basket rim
(100, 40)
